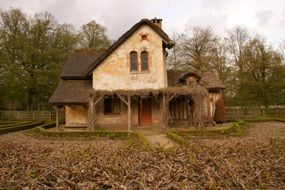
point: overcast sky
(265, 17)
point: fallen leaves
(232, 163)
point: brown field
(252, 162)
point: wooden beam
(91, 113)
(171, 97)
(98, 100)
(164, 111)
(129, 113)
(123, 99)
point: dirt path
(156, 137)
(267, 129)
(160, 140)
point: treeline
(252, 70)
(33, 50)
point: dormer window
(134, 61)
(191, 80)
(144, 61)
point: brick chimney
(157, 22)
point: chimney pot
(157, 22)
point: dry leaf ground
(232, 163)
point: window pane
(112, 105)
(116, 106)
(107, 105)
(144, 59)
(134, 61)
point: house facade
(128, 85)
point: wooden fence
(238, 112)
(30, 115)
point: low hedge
(140, 136)
(15, 124)
(74, 134)
(19, 127)
(232, 129)
(176, 138)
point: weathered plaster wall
(75, 116)
(114, 72)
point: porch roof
(195, 90)
(71, 92)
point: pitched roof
(211, 81)
(78, 62)
(167, 41)
(71, 92)
(208, 79)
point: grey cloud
(264, 17)
(119, 15)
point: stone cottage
(128, 85)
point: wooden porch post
(128, 103)
(164, 111)
(129, 113)
(56, 117)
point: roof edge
(169, 43)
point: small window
(112, 105)
(144, 60)
(134, 61)
(144, 37)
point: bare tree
(197, 46)
(282, 49)
(174, 58)
(237, 38)
(93, 35)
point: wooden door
(144, 107)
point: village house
(128, 85)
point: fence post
(35, 115)
(250, 112)
(18, 115)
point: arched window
(134, 61)
(144, 61)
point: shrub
(220, 112)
